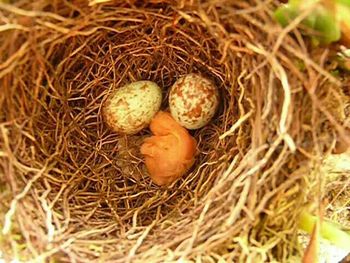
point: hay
(74, 191)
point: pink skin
(170, 153)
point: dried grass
(73, 191)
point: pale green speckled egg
(131, 108)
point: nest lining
(79, 191)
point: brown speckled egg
(193, 101)
(131, 108)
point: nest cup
(75, 191)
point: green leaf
(343, 13)
(310, 21)
(344, 2)
(328, 27)
(329, 230)
(285, 14)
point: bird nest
(73, 190)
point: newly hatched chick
(170, 153)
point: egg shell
(131, 108)
(193, 101)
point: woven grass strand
(73, 191)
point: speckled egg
(193, 101)
(131, 108)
